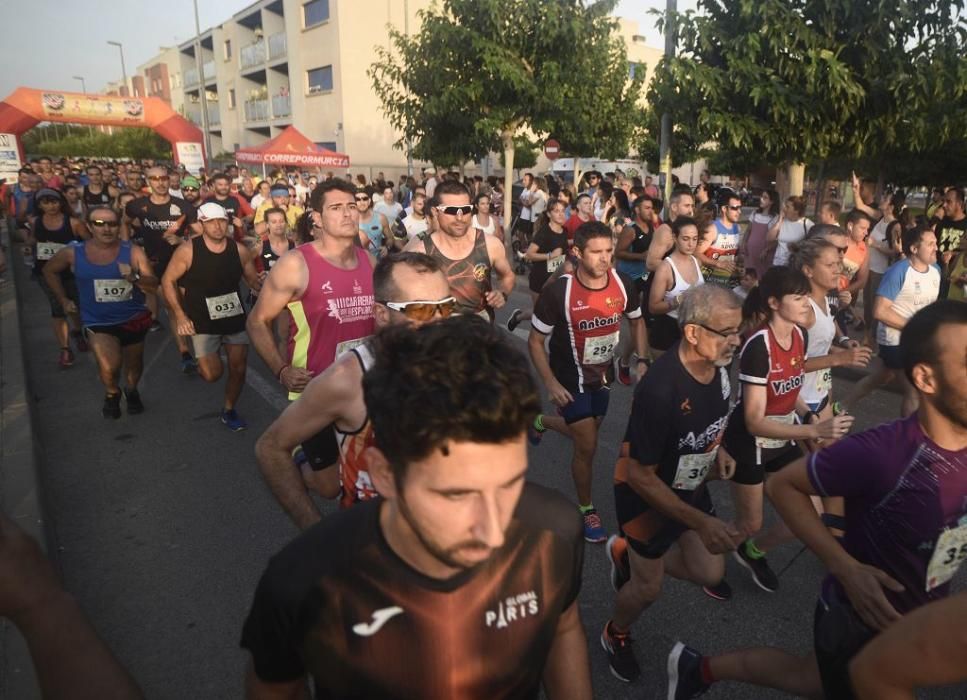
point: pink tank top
(335, 313)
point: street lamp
(83, 86)
(124, 73)
(203, 89)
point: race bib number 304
(224, 306)
(112, 290)
(599, 350)
(692, 470)
(948, 555)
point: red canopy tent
(291, 147)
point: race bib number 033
(600, 349)
(948, 555)
(224, 306)
(692, 470)
(112, 290)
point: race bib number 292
(599, 350)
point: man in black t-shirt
(950, 234)
(461, 581)
(239, 212)
(160, 223)
(671, 448)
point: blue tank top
(374, 231)
(107, 299)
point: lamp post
(665, 142)
(83, 85)
(124, 73)
(202, 88)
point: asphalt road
(163, 526)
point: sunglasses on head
(422, 310)
(466, 210)
(101, 222)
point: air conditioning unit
(314, 89)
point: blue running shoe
(234, 421)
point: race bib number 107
(112, 290)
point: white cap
(429, 169)
(211, 210)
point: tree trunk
(577, 172)
(796, 175)
(507, 138)
(820, 189)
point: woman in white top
(538, 200)
(484, 221)
(791, 227)
(881, 255)
(754, 244)
(677, 273)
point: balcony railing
(257, 110)
(277, 46)
(281, 106)
(209, 70)
(214, 116)
(191, 77)
(252, 55)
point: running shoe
(534, 434)
(593, 530)
(513, 320)
(720, 591)
(685, 673)
(155, 326)
(188, 365)
(624, 373)
(618, 557)
(621, 656)
(759, 568)
(233, 420)
(80, 342)
(133, 399)
(112, 406)
(66, 358)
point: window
(315, 12)
(320, 79)
(328, 145)
(633, 69)
(228, 49)
(231, 98)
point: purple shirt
(902, 491)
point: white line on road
(266, 390)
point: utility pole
(124, 73)
(409, 142)
(202, 88)
(665, 144)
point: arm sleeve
(269, 632)
(754, 363)
(648, 430)
(549, 309)
(632, 307)
(856, 466)
(892, 282)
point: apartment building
(304, 62)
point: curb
(21, 497)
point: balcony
(191, 77)
(252, 55)
(257, 111)
(209, 70)
(281, 106)
(194, 115)
(277, 46)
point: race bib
(554, 263)
(224, 306)
(949, 553)
(824, 381)
(112, 290)
(599, 350)
(46, 250)
(692, 470)
(347, 345)
(775, 443)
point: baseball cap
(210, 211)
(428, 170)
(190, 181)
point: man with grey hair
(664, 510)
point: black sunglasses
(466, 210)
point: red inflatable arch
(24, 108)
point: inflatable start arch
(24, 108)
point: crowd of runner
(445, 574)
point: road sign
(552, 149)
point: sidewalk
(20, 494)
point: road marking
(268, 391)
(157, 354)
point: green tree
(481, 72)
(525, 153)
(74, 141)
(801, 81)
(687, 145)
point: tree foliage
(807, 80)
(687, 143)
(79, 141)
(480, 72)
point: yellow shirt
(292, 213)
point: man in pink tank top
(327, 288)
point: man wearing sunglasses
(410, 289)
(718, 255)
(467, 260)
(160, 223)
(326, 286)
(113, 277)
(280, 198)
(191, 191)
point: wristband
(843, 340)
(282, 369)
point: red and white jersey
(584, 326)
